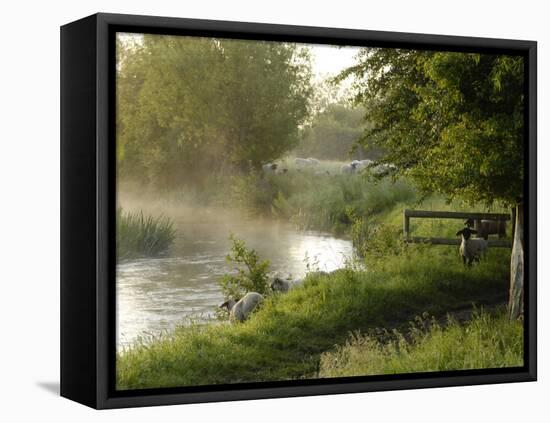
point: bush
(251, 273)
(138, 235)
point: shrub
(251, 273)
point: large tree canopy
(452, 122)
(188, 106)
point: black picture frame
(88, 210)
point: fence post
(515, 304)
(405, 224)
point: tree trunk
(515, 304)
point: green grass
(486, 341)
(320, 202)
(286, 338)
(139, 235)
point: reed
(140, 235)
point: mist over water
(156, 294)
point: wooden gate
(428, 214)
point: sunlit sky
(330, 60)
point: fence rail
(429, 214)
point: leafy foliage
(332, 134)
(251, 273)
(188, 106)
(453, 122)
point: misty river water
(155, 294)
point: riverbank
(293, 336)
(286, 338)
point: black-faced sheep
(471, 249)
(240, 310)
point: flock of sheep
(239, 310)
(310, 163)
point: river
(155, 294)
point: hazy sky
(331, 59)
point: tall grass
(322, 202)
(486, 341)
(139, 235)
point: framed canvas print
(255, 211)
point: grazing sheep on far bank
(301, 163)
(485, 228)
(383, 168)
(471, 249)
(270, 168)
(362, 164)
(348, 169)
(240, 310)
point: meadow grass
(286, 338)
(485, 341)
(140, 235)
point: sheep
(301, 163)
(282, 171)
(485, 228)
(383, 168)
(239, 310)
(471, 249)
(348, 168)
(362, 164)
(270, 167)
(312, 161)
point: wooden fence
(428, 214)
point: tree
(188, 106)
(452, 122)
(333, 132)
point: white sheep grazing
(241, 309)
(302, 163)
(471, 249)
(348, 169)
(362, 164)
